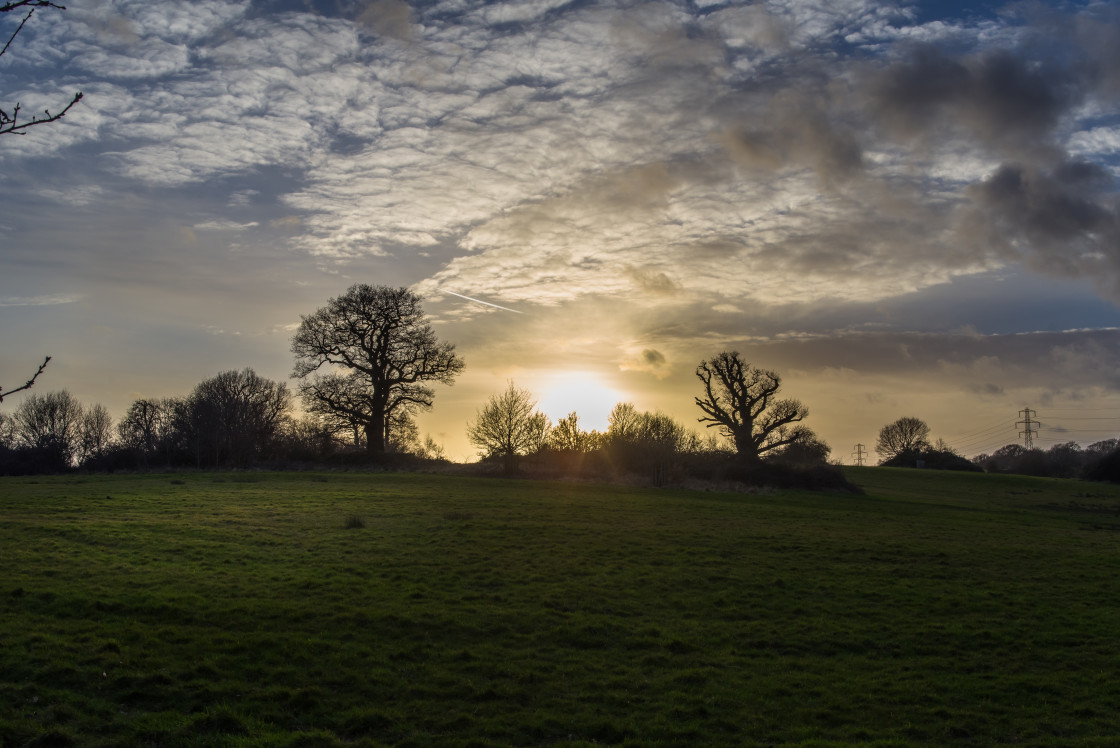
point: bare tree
(10, 117)
(7, 432)
(50, 422)
(741, 401)
(622, 422)
(432, 450)
(649, 442)
(28, 384)
(380, 339)
(148, 426)
(509, 426)
(566, 436)
(144, 422)
(907, 434)
(234, 415)
(95, 433)
(402, 435)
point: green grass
(303, 609)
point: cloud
(48, 300)
(1064, 220)
(649, 361)
(388, 18)
(1001, 99)
(225, 226)
(792, 153)
(286, 222)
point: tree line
(906, 443)
(365, 366)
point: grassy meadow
(349, 609)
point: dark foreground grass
(368, 610)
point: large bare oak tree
(366, 357)
(742, 401)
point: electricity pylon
(1029, 427)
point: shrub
(777, 474)
(1105, 468)
(932, 459)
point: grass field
(302, 609)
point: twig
(8, 123)
(30, 382)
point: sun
(584, 392)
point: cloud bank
(779, 153)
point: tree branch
(9, 122)
(29, 382)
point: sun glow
(581, 391)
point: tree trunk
(745, 448)
(375, 435)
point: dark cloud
(1004, 99)
(653, 281)
(1063, 221)
(389, 18)
(795, 130)
(988, 389)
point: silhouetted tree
(1003, 460)
(379, 338)
(9, 117)
(509, 426)
(809, 451)
(305, 439)
(432, 450)
(403, 435)
(1103, 465)
(660, 440)
(28, 384)
(907, 434)
(7, 431)
(341, 403)
(148, 426)
(741, 401)
(1103, 447)
(52, 424)
(649, 443)
(566, 436)
(622, 422)
(1065, 460)
(95, 433)
(233, 416)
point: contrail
(480, 301)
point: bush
(932, 459)
(777, 474)
(33, 461)
(1105, 468)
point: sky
(903, 209)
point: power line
(859, 453)
(984, 436)
(1001, 424)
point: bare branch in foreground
(4, 393)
